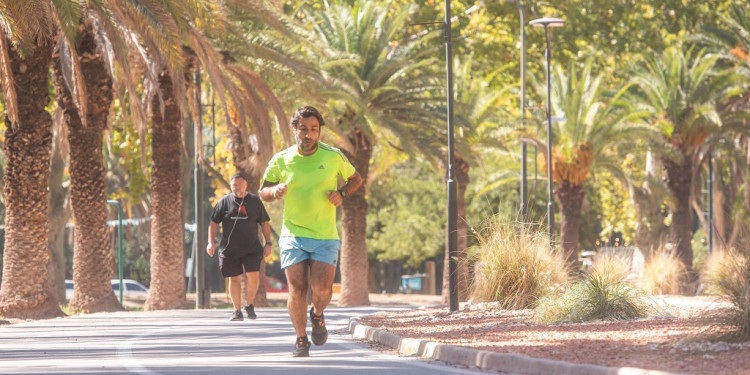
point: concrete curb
(486, 360)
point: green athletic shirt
(307, 211)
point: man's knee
(321, 287)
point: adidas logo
(321, 167)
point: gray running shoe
(319, 331)
(236, 315)
(301, 347)
(250, 311)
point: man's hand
(279, 191)
(210, 249)
(267, 250)
(335, 197)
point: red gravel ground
(676, 341)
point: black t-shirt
(239, 221)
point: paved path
(194, 342)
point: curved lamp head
(547, 22)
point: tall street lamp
(452, 208)
(547, 23)
(524, 188)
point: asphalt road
(195, 342)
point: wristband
(342, 192)
(269, 243)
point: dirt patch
(674, 341)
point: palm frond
(9, 87)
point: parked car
(68, 289)
(275, 285)
(132, 288)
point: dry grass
(664, 273)
(603, 293)
(513, 266)
(727, 273)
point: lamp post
(452, 209)
(547, 23)
(524, 185)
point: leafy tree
(404, 223)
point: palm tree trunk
(27, 290)
(678, 179)
(354, 269)
(93, 259)
(570, 198)
(462, 260)
(649, 229)
(58, 215)
(167, 253)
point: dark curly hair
(305, 112)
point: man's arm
(265, 228)
(351, 185)
(271, 191)
(212, 229)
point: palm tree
(595, 123)
(93, 260)
(377, 84)
(238, 87)
(104, 35)
(167, 258)
(731, 40)
(681, 91)
(26, 38)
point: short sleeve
(272, 173)
(346, 169)
(262, 213)
(219, 211)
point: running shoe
(250, 311)
(301, 347)
(236, 315)
(319, 331)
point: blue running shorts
(298, 249)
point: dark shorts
(233, 266)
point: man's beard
(307, 145)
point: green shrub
(727, 273)
(512, 265)
(602, 293)
(664, 273)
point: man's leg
(296, 275)
(321, 282)
(253, 279)
(235, 291)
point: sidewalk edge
(486, 360)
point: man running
(306, 176)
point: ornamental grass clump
(664, 273)
(727, 273)
(603, 293)
(512, 265)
